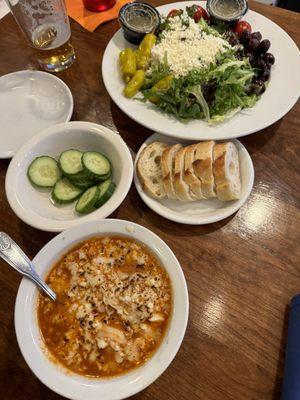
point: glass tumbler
(45, 24)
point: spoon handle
(14, 256)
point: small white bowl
(203, 211)
(78, 387)
(35, 206)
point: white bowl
(34, 206)
(203, 211)
(78, 387)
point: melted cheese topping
(114, 302)
(187, 47)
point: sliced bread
(226, 169)
(149, 170)
(182, 189)
(203, 167)
(189, 175)
(167, 166)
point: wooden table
(241, 272)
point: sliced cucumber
(87, 201)
(96, 164)
(82, 180)
(70, 162)
(65, 192)
(43, 172)
(106, 190)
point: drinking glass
(45, 24)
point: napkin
(91, 20)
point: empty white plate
(203, 211)
(30, 101)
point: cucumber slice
(106, 191)
(43, 172)
(70, 162)
(82, 180)
(87, 201)
(96, 164)
(65, 192)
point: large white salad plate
(35, 206)
(30, 101)
(78, 387)
(281, 94)
(203, 211)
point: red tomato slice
(200, 13)
(174, 13)
(242, 26)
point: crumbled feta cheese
(187, 47)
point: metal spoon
(14, 256)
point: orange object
(91, 20)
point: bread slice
(189, 174)
(203, 167)
(226, 169)
(167, 166)
(182, 189)
(149, 170)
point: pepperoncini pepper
(127, 64)
(162, 85)
(136, 82)
(143, 53)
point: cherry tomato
(200, 12)
(242, 26)
(174, 13)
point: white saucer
(30, 101)
(204, 211)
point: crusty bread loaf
(203, 167)
(182, 189)
(149, 169)
(226, 170)
(189, 174)
(167, 166)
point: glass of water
(45, 23)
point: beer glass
(45, 24)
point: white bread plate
(202, 211)
(79, 387)
(35, 207)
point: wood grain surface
(241, 272)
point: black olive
(269, 58)
(244, 38)
(260, 64)
(253, 44)
(266, 75)
(252, 59)
(263, 88)
(233, 39)
(256, 35)
(264, 46)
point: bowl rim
(75, 386)
(50, 225)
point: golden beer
(53, 48)
(46, 26)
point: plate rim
(27, 292)
(208, 136)
(193, 220)
(6, 154)
(47, 224)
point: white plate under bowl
(282, 92)
(30, 101)
(203, 211)
(78, 387)
(34, 206)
